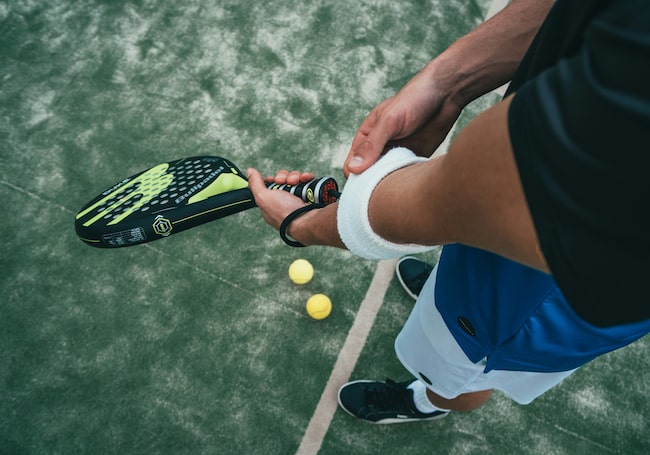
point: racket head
(164, 200)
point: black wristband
(292, 216)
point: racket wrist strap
(289, 219)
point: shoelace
(391, 395)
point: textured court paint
(201, 344)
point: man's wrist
(284, 226)
(316, 227)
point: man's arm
(422, 113)
(471, 195)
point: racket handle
(324, 190)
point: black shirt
(580, 130)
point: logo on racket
(162, 226)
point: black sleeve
(580, 131)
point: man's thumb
(255, 181)
(358, 161)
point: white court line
(347, 359)
(356, 339)
(36, 196)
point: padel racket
(172, 197)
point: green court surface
(199, 343)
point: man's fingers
(290, 178)
(296, 177)
(281, 176)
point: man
(539, 203)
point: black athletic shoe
(413, 273)
(383, 402)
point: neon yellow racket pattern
(172, 197)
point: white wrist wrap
(352, 216)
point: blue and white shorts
(426, 347)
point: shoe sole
(383, 421)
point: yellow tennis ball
(319, 306)
(301, 271)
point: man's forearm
(471, 195)
(488, 56)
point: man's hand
(418, 118)
(316, 227)
(276, 205)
